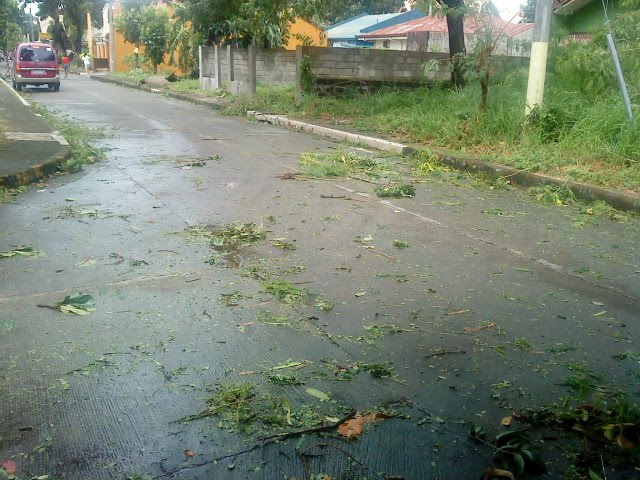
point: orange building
(305, 33)
(301, 32)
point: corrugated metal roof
(437, 24)
(353, 27)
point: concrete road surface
(495, 301)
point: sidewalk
(30, 150)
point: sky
(508, 8)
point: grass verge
(79, 138)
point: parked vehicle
(35, 64)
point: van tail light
(17, 68)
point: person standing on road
(87, 62)
(65, 65)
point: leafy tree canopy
(11, 19)
(529, 11)
(68, 33)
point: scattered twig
(324, 444)
(325, 428)
(438, 354)
(373, 249)
(458, 312)
(50, 307)
(604, 473)
(342, 197)
(288, 176)
(206, 314)
(362, 179)
(192, 280)
(477, 329)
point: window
(37, 54)
(386, 44)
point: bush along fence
(319, 68)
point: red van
(35, 64)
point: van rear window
(39, 54)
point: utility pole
(539, 52)
(112, 40)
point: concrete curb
(619, 200)
(204, 102)
(35, 172)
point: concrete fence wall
(327, 65)
(370, 65)
(272, 66)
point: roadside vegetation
(580, 134)
(80, 139)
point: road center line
(517, 253)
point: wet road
(492, 302)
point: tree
(338, 10)
(69, 32)
(454, 10)
(529, 11)
(266, 22)
(10, 21)
(154, 33)
(245, 22)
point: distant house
(302, 32)
(577, 17)
(431, 34)
(344, 34)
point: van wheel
(18, 87)
(56, 87)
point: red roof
(437, 24)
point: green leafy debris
(26, 251)
(396, 191)
(77, 304)
(246, 408)
(284, 291)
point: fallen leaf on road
(323, 397)
(506, 421)
(497, 473)
(77, 304)
(86, 263)
(22, 252)
(9, 466)
(189, 453)
(354, 427)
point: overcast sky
(508, 8)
